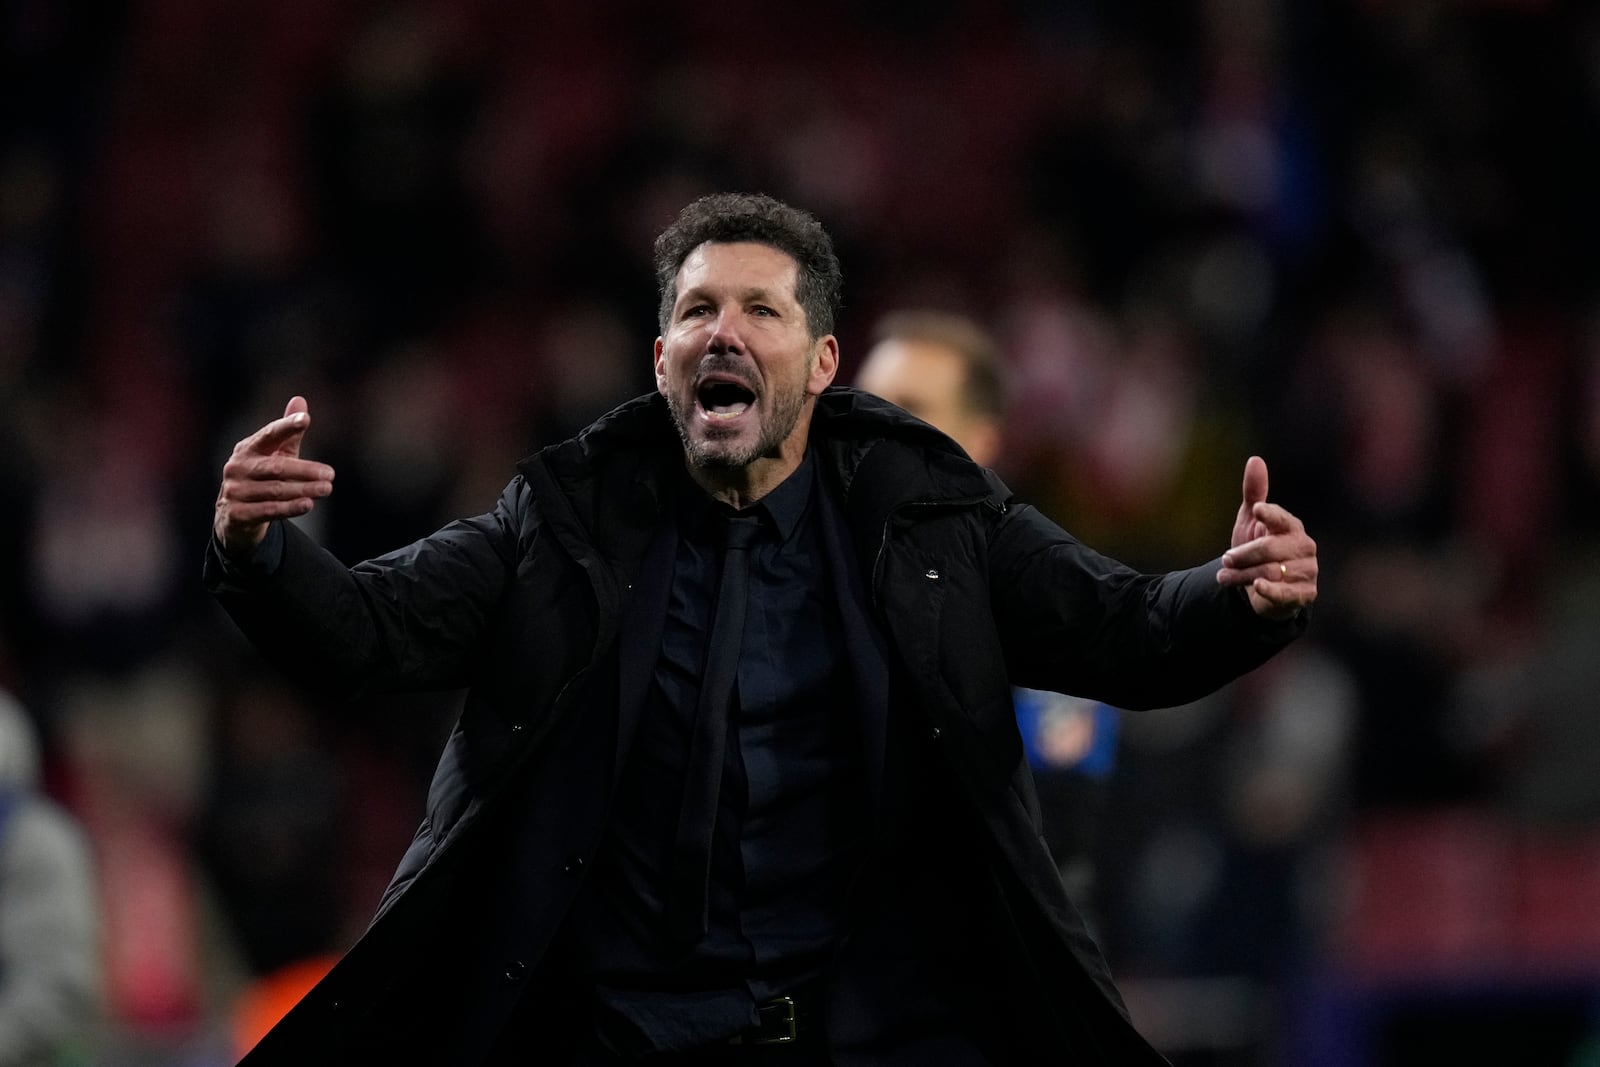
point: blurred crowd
(1355, 238)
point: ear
(661, 368)
(824, 364)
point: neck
(740, 487)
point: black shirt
(783, 851)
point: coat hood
(603, 486)
(847, 419)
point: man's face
(737, 364)
(929, 380)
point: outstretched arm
(1077, 622)
(408, 620)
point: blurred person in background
(648, 843)
(947, 370)
(49, 918)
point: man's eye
(696, 310)
(762, 309)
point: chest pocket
(938, 607)
(918, 588)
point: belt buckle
(778, 1013)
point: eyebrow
(760, 293)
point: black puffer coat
(525, 606)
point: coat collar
(611, 480)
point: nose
(725, 334)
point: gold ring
(1283, 570)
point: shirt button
(516, 727)
(573, 865)
(937, 733)
(931, 574)
(516, 970)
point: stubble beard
(714, 455)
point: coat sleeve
(409, 620)
(1075, 621)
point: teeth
(727, 411)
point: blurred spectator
(49, 920)
(945, 370)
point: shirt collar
(780, 510)
(786, 504)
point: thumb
(1255, 482)
(291, 444)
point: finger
(1250, 554)
(298, 412)
(1290, 580)
(1295, 548)
(279, 435)
(1255, 481)
(282, 435)
(1253, 491)
(1282, 599)
(1274, 518)
(240, 515)
(1278, 572)
(1241, 575)
(253, 491)
(276, 467)
(1247, 577)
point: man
(737, 778)
(947, 370)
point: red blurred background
(1355, 237)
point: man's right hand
(266, 479)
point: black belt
(783, 1020)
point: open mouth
(724, 399)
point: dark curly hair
(756, 217)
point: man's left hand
(1271, 555)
